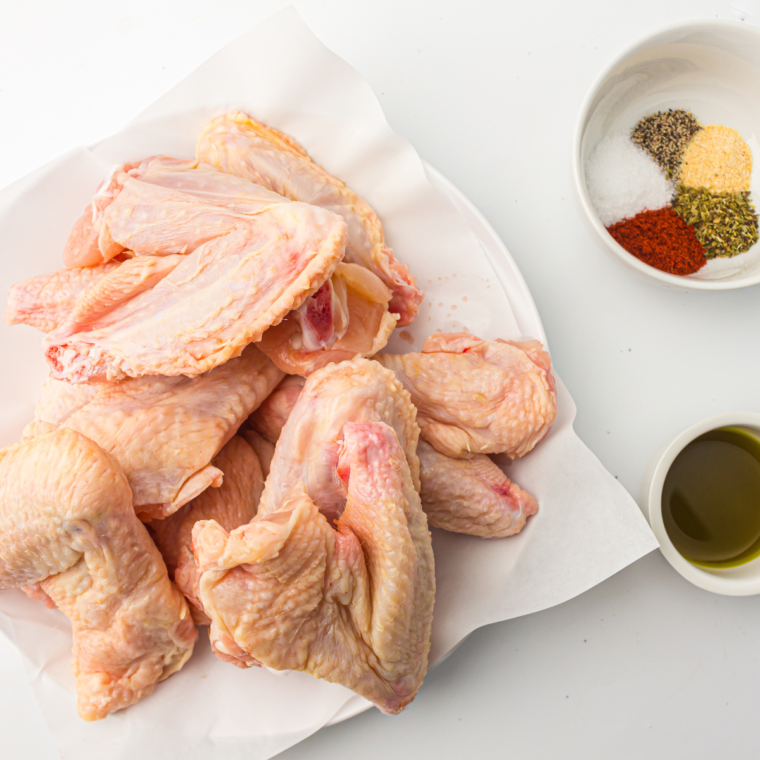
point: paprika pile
(661, 239)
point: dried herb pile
(724, 223)
(681, 197)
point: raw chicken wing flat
(478, 396)
(242, 258)
(239, 145)
(352, 604)
(234, 503)
(68, 528)
(164, 431)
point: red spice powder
(661, 239)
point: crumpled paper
(587, 528)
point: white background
(642, 666)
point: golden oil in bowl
(711, 499)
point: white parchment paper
(587, 528)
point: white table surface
(644, 665)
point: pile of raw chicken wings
(221, 441)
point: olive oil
(711, 499)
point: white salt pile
(623, 180)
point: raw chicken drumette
(69, 530)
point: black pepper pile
(665, 135)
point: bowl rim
(718, 581)
(626, 258)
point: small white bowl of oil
(702, 495)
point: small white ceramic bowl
(709, 67)
(733, 581)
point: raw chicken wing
(68, 528)
(239, 145)
(164, 431)
(307, 451)
(347, 316)
(45, 302)
(352, 604)
(243, 258)
(478, 396)
(271, 416)
(234, 503)
(471, 496)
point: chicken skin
(68, 527)
(263, 449)
(60, 400)
(74, 298)
(164, 431)
(234, 503)
(471, 496)
(273, 412)
(352, 604)
(307, 450)
(45, 302)
(241, 258)
(82, 249)
(478, 396)
(239, 145)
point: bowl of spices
(663, 156)
(702, 495)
